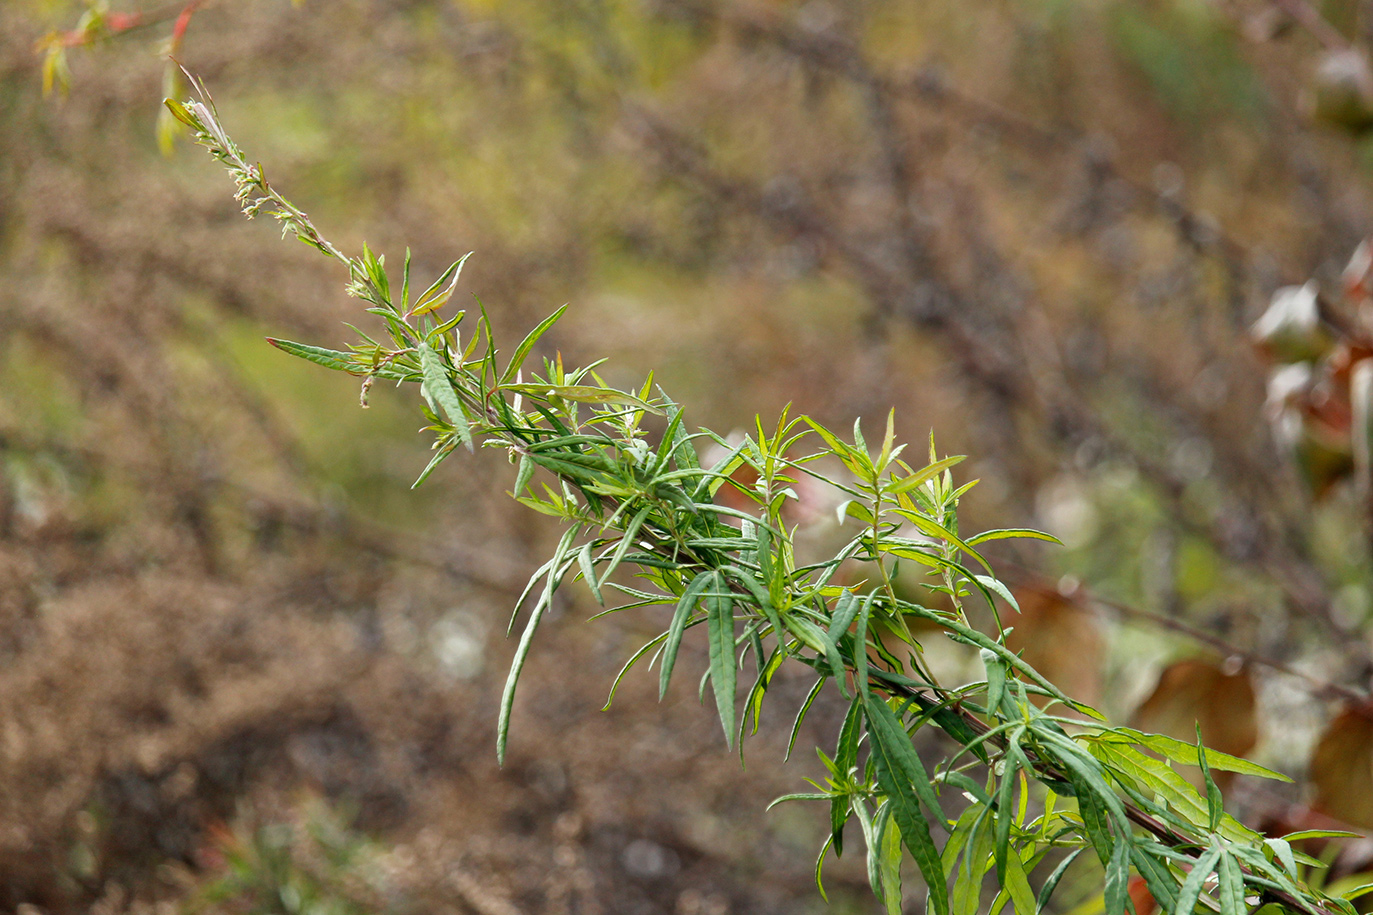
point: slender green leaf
(437, 383)
(889, 858)
(626, 541)
(1017, 884)
(522, 351)
(1018, 532)
(1318, 833)
(1196, 881)
(845, 758)
(685, 604)
(897, 777)
(442, 289)
(887, 731)
(819, 867)
(1230, 890)
(907, 483)
(801, 716)
(1000, 590)
(1215, 804)
(581, 393)
(527, 638)
(1282, 850)
(1083, 767)
(1186, 753)
(329, 358)
(805, 796)
(523, 475)
(845, 609)
(444, 450)
(1004, 819)
(1095, 823)
(1357, 892)
(589, 573)
(1160, 779)
(996, 679)
(633, 659)
(977, 858)
(720, 624)
(1162, 884)
(1046, 891)
(1118, 876)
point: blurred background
(244, 668)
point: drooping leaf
(996, 679)
(555, 573)
(1046, 892)
(1118, 876)
(1196, 881)
(585, 560)
(1017, 886)
(977, 859)
(801, 716)
(845, 758)
(1230, 890)
(681, 613)
(720, 626)
(891, 756)
(889, 857)
(1004, 819)
(439, 387)
(628, 665)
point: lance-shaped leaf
(437, 383)
(1118, 876)
(801, 716)
(907, 483)
(845, 758)
(889, 861)
(556, 570)
(522, 351)
(1046, 892)
(685, 604)
(582, 393)
(1013, 532)
(720, 630)
(903, 777)
(438, 294)
(339, 361)
(1196, 881)
(1230, 890)
(977, 859)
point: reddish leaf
(1342, 767)
(1197, 691)
(1061, 640)
(1143, 900)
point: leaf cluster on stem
(1034, 779)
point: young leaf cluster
(1033, 783)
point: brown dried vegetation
(202, 613)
